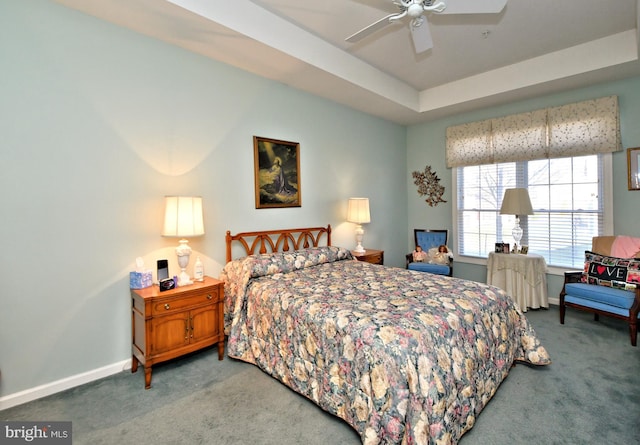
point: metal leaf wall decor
(429, 185)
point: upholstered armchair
(608, 286)
(439, 263)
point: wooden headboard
(268, 241)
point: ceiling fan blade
(474, 6)
(370, 29)
(421, 34)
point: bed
(403, 357)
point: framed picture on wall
(633, 166)
(277, 173)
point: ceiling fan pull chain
(417, 22)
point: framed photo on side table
(633, 166)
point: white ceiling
(530, 48)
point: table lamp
(516, 202)
(358, 213)
(182, 219)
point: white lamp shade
(183, 216)
(516, 202)
(358, 211)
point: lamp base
(359, 236)
(184, 279)
(516, 232)
(183, 251)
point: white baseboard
(69, 382)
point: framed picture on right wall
(633, 164)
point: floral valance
(582, 128)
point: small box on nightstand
(140, 280)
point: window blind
(568, 204)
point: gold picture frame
(277, 173)
(633, 167)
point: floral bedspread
(404, 357)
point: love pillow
(619, 273)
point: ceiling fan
(416, 10)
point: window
(569, 198)
(562, 155)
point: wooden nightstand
(166, 325)
(370, 256)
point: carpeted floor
(589, 395)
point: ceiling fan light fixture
(415, 10)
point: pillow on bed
(619, 273)
(283, 262)
(236, 274)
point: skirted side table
(523, 277)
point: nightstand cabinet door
(169, 333)
(204, 324)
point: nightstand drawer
(179, 303)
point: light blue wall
(426, 146)
(97, 124)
